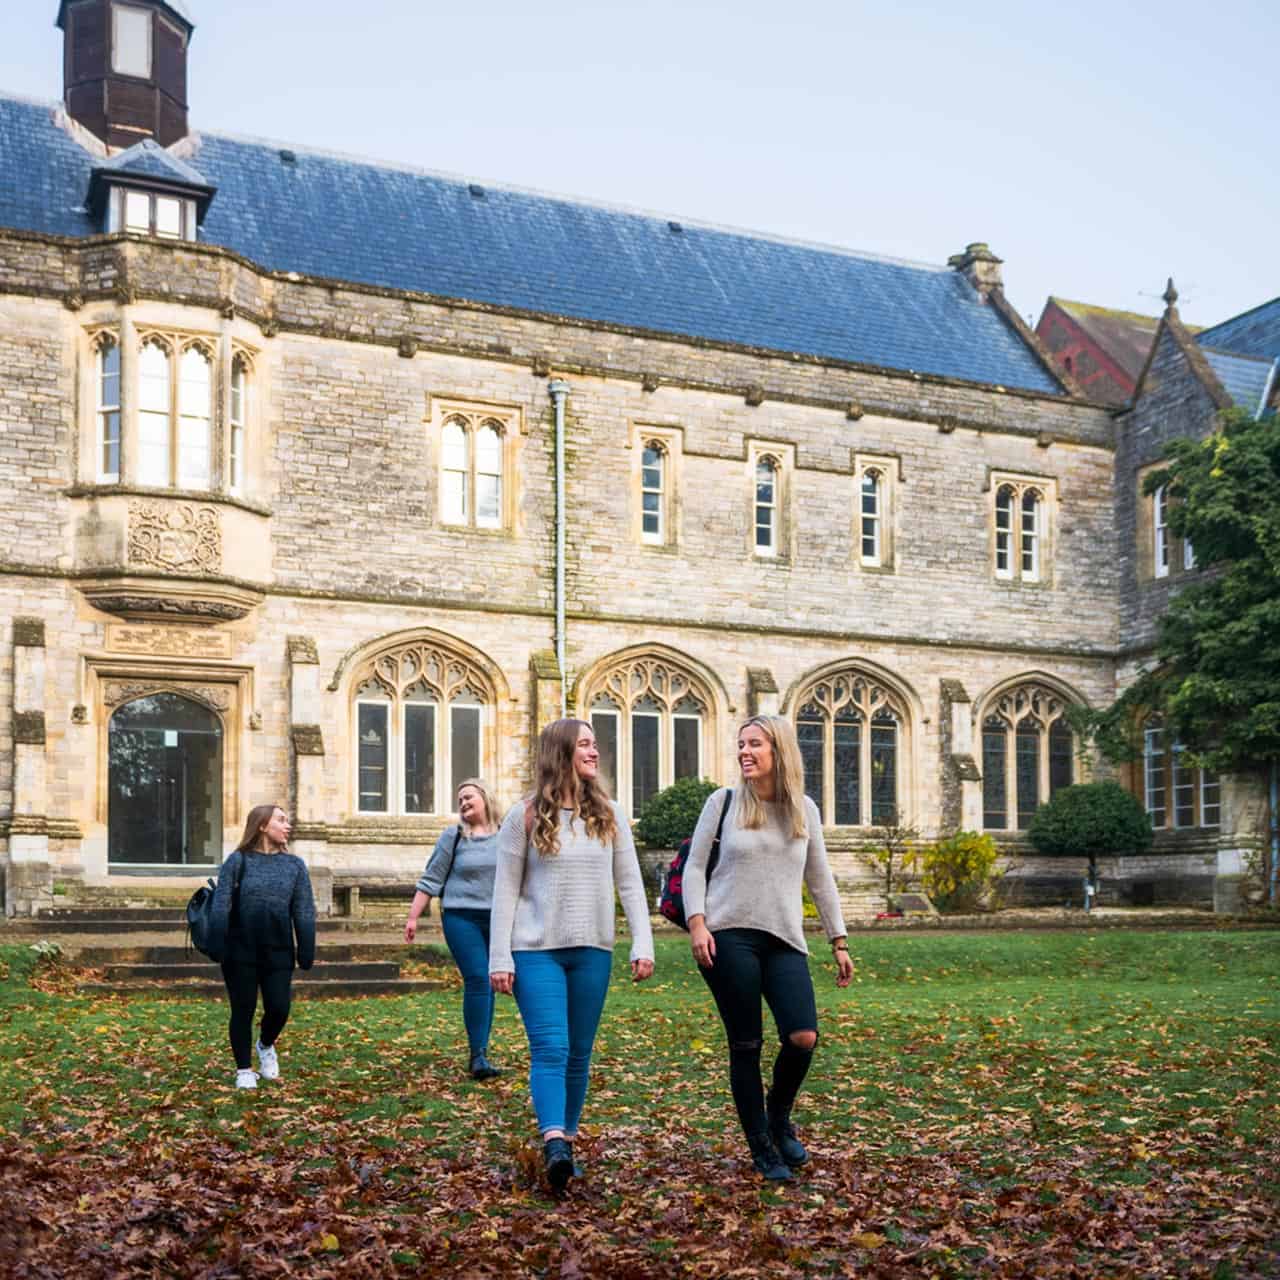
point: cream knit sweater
(543, 903)
(756, 883)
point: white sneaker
(268, 1063)
(246, 1079)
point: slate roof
(1246, 378)
(1254, 333)
(378, 224)
(148, 159)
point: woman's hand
(641, 969)
(410, 929)
(844, 967)
(503, 983)
(703, 944)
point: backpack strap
(453, 853)
(713, 858)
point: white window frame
(506, 422)
(118, 216)
(656, 536)
(670, 440)
(239, 412)
(884, 468)
(1155, 778)
(122, 15)
(180, 415)
(107, 414)
(1024, 545)
(1161, 538)
(771, 508)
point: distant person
(746, 928)
(264, 924)
(460, 873)
(562, 853)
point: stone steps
(305, 987)
(206, 971)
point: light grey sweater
(542, 903)
(469, 884)
(757, 882)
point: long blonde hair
(788, 776)
(554, 775)
(492, 818)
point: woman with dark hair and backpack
(460, 873)
(746, 927)
(264, 922)
(562, 853)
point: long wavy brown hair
(554, 777)
(258, 818)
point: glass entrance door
(164, 780)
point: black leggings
(749, 964)
(243, 979)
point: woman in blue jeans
(460, 874)
(562, 854)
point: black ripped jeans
(245, 971)
(751, 964)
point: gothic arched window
(471, 471)
(851, 730)
(164, 783)
(419, 715)
(1028, 753)
(651, 718)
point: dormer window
(151, 213)
(131, 41)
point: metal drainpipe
(559, 390)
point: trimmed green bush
(1090, 819)
(958, 869)
(672, 814)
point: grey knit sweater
(757, 882)
(542, 903)
(468, 885)
(275, 907)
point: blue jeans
(561, 996)
(467, 933)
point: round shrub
(672, 814)
(1089, 819)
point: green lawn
(1070, 1102)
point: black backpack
(200, 912)
(453, 853)
(671, 897)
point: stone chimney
(980, 266)
(124, 68)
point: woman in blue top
(460, 873)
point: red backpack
(671, 896)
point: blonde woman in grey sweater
(746, 927)
(562, 853)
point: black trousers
(245, 976)
(751, 965)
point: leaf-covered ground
(991, 1105)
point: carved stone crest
(179, 536)
(115, 692)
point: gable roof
(1126, 336)
(1253, 333)
(148, 159)
(354, 220)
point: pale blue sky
(1098, 147)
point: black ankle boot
(482, 1068)
(557, 1158)
(765, 1157)
(783, 1133)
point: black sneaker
(765, 1157)
(482, 1068)
(557, 1156)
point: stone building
(329, 482)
